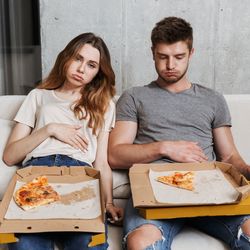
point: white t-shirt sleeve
(109, 118)
(27, 112)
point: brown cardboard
(142, 192)
(54, 174)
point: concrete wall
(221, 37)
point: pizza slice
(183, 180)
(36, 193)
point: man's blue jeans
(45, 241)
(225, 228)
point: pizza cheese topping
(35, 193)
(183, 180)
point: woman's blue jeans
(54, 160)
(45, 241)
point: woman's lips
(77, 77)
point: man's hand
(183, 151)
(69, 134)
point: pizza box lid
(55, 174)
(142, 192)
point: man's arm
(123, 153)
(226, 150)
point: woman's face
(84, 67)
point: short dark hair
(171, 30)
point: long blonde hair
(96, 95)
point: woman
(66, 120)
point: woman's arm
(101, 164)
(22, 141)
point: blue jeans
(45, 241)
(225, 228)
(54, 160)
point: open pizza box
(85, 214)
(219, 189)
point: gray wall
(221, 37)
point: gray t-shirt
(162, 115)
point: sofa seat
(188, 238)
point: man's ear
(191, 53)
(152, 49)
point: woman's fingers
(72, 135)
(78, 143)
(81, 142)
(115, 214)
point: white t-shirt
(42, 107)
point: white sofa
(188, 238)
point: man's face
(171, 61)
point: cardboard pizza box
(144, 197)
(69, 176)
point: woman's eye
(92, 66)
(78, 58)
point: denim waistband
(55, 160)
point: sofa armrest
(6, 172)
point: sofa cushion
(121, 186)
(5, 172)
(190, 238)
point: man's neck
(176, 87)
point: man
(174, 120)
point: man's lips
(77, 77)
(169, 74)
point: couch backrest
(10, 105)
(239, 106)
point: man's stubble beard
(172, 81)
